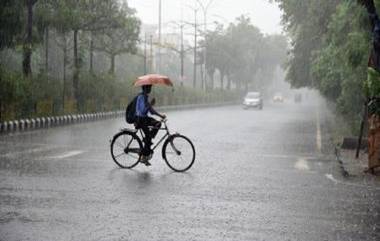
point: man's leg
(144, 123)
(156, 126)
(150, 128)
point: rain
(189, 120)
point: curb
(54, 121)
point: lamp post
(195, 25)
(159, 35)
(145, 58)
(195, 49)
(205, 8)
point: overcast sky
(263, 14)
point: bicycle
(178, 151)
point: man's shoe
(145, 159)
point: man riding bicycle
(149, 125)
(177, 150)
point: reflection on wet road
(259, 175)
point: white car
(253, 99)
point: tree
(245, 40)
(240, 51)
(44, 20)
(27, 47)
(83, 15)
(330, 47)
(11, 23)
(272, 53)
(213, 41)
(120, 40)
(306, 21)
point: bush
(39, 95)
(20, 96)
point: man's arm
(153, 111)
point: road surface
(259, 175)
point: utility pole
(205, 9)
(195, 50)
(145, 58)
(204, 85)
(182, 56)
(159, 35)
(151, 53)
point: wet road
(259, 175)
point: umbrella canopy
(153, 79)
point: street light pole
(182, 56)
(159, 35)
(204, 51)
(151, 54)
(145, 58)
(205, 9)
(195, 50)
(181, 52)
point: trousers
(150, 127)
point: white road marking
(27, 151)
(302, 165)
(66, 155)
(319, 135)
(331, 177)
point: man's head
(147, 89)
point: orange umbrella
(153, 79)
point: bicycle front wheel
(125, 149)
(179, 153)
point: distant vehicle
(298, 98)
(253, 99)
(278, 98)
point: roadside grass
(341, 126)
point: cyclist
(149, 125)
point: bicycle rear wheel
(125, 149)
(179, 153)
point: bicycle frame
(123, 139)
(162, 138)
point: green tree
(120, 40)
(83, 15)
(28, 40)
(245, 40)
(213, 53)
(11, 23)
(241, 51)
(306, 21)
(330, 49)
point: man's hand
(153, 102)
(163, 116)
